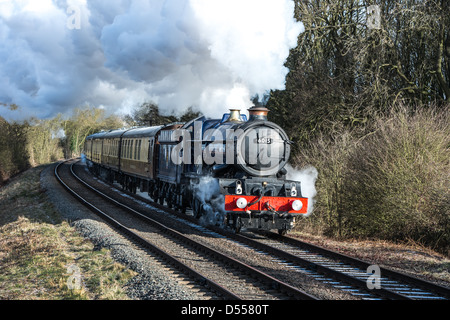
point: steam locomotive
(231, 169)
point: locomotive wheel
(154, 195)
(171, 197)
(197, 207)
(237, 225)
(282, 232)
(181, 205)
(170, 200)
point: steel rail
(174, 261)
(268, 280)
(426, 285)
(317, 267)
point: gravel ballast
(153, 282)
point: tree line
(37, 141)
(367, 103)
(346, 70)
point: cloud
(210, 54)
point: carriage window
(131, 150)
(139, 150)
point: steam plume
(307, 177)
(209, 54)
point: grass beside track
(43, 257)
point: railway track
(359, 278)
(340, 271)
(225, 276)
(344, 273)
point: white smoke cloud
(210, 54)
(307, 177)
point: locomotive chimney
(235, 115)
(258, 113)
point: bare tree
(345, 68)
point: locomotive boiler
(232, 168)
